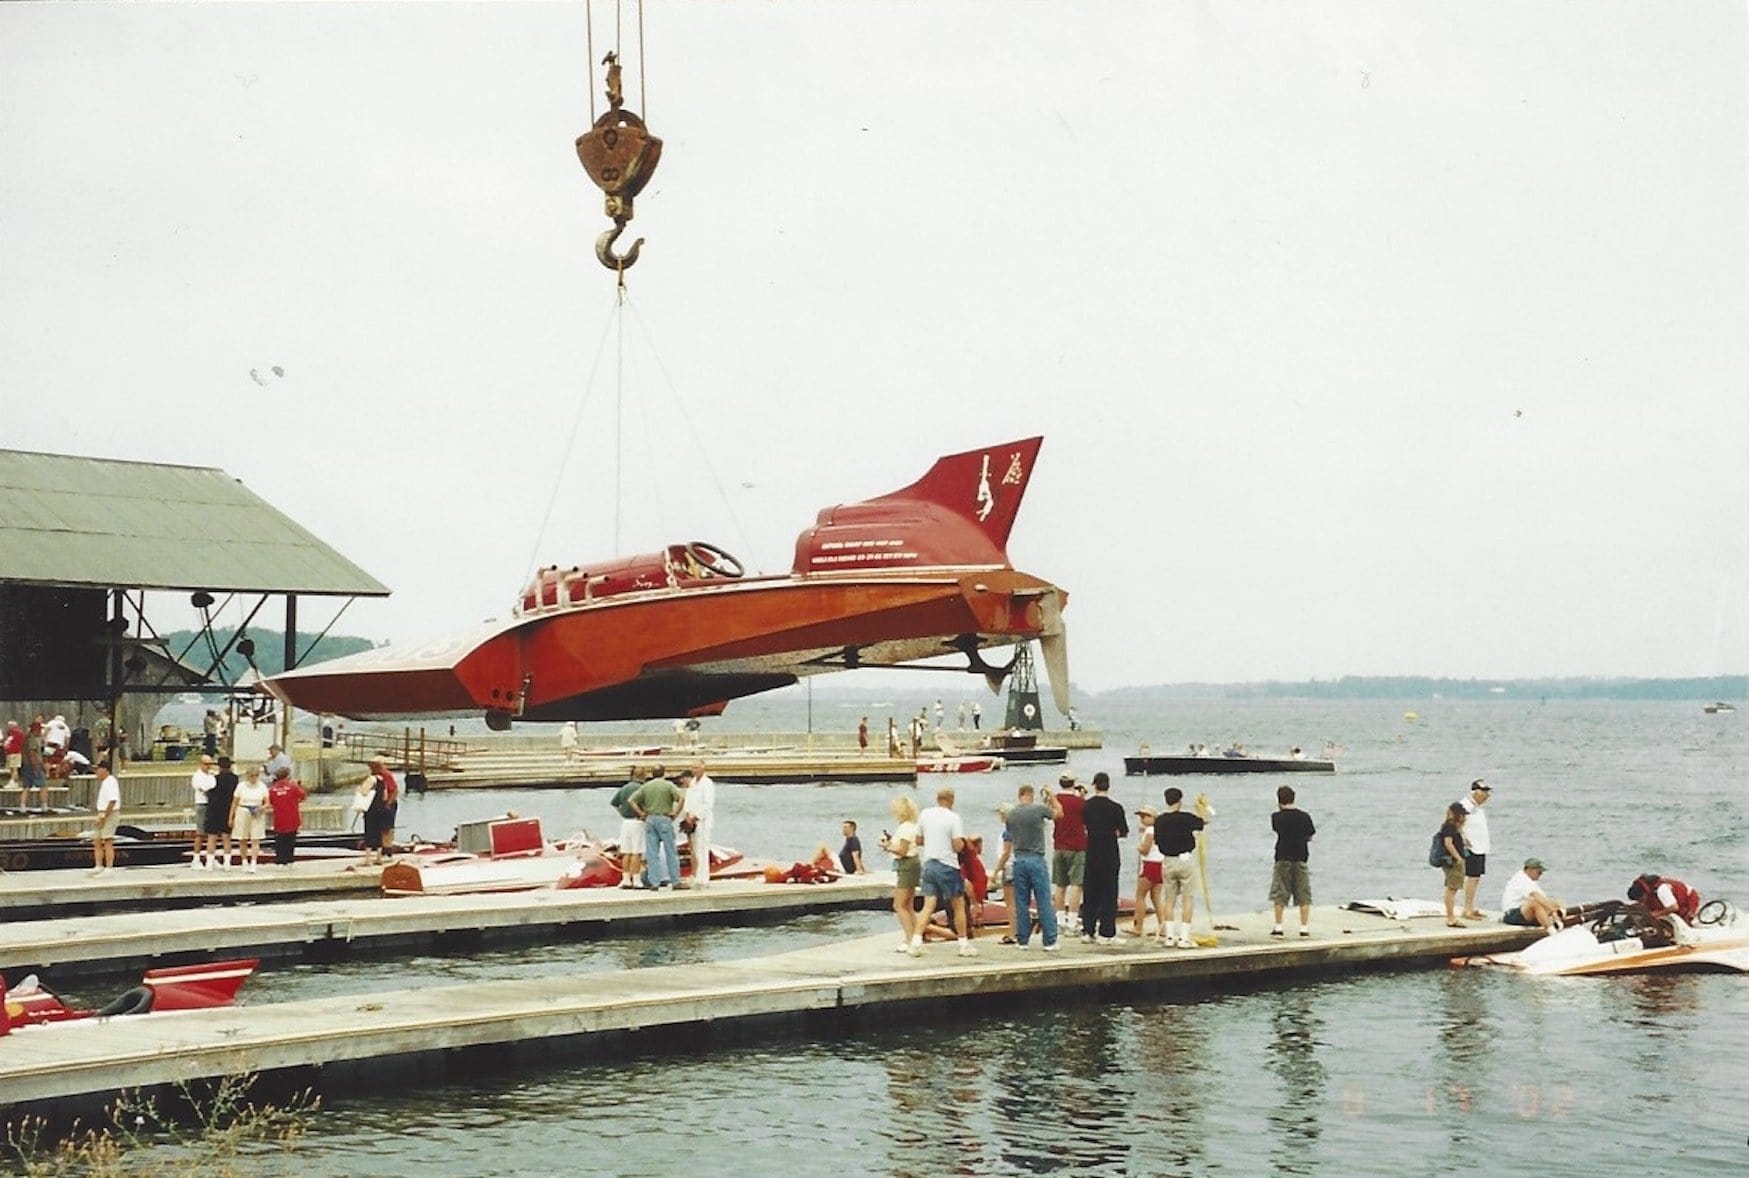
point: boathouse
(89, 547)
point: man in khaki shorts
(108, 818)
(1175, 834)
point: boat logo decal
(1015, 473)
(986, 501)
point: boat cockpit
(676, 566)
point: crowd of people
(43, 750)
(656, 813)
(1059, 864)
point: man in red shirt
(14, 749)
(285, 798)
(1069, 851)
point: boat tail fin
(957, 514)
(985, 486)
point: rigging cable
(691, 430)
(570, 445)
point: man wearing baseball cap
(1475, 843)
(1525, 903)
(1068, 852)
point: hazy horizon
(1362, 338)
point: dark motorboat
(1186, 764)
(1023, 748)
(140, 846)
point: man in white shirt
(943, 835)
(57, 734)
(108, 806)
(1525, 903)
(701, 807)
(1475, 843)
(202, 780)
(276, 760)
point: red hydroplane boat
(912, 575)
(187, 987)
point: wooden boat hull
(917, 574)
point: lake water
(1436, 1071)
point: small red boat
(915, 574)
(187, 987)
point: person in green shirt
(657, 801)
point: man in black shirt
(1106, 825)
(1175, 835)
(1291, 881)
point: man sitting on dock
(1525, 903)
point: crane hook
(604, 249)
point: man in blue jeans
(1032, 878)
(943, 836)
(657, 801)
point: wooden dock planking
(107, 944)
(27, 894)
(94, 1058)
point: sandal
(1456, 924)
(1008, 941)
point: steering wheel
(714, 560)
(1712, 912)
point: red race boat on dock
(916, 574)
(186, 987)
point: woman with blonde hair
(904, 845)
(249, 818)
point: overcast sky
(1364, 338)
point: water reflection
(1467, 1031)
(1172, 1053)
(1296, 1033)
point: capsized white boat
(960, 764)
(1626, 939)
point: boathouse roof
(68, 520)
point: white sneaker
(1108, 940)
(251, 867)
(1186, 943)
(967, 949)
(194, 863)
(1023, 944)
(915, 948)
(95, 871)
(902, 947)
(1052, 948)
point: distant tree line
(269, 652)
(1724, 687)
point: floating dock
(329, 929)
(824, 986)
(31, 896)
(765, 766)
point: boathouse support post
(289, 659)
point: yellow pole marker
(1205, 812)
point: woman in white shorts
(249, 818)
